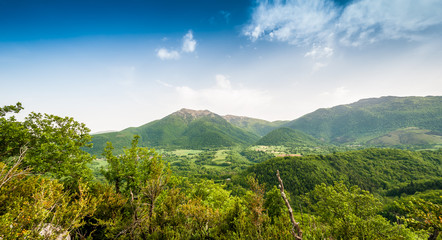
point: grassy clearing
(186, 152)
(220, 155)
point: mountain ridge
(367, 121)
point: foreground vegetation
(48, 190)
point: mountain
(288, 137)
(257, 126)
(371, 118)
(185, 128)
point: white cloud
(320, 56)
(296, 22)
(165, 54)
(319, 52)
(370, 21)
(223, 97)
(222, 82)
(189, 43)
(188, 46)
(305, 22)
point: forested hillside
(257, 126)
(376, 170)
(371, 118)
(185, 128)
(288, 137)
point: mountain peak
(190, 114)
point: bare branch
(295, 225)
(12, 172)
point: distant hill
(185, 128)
(411, 136)
(371, 169)
(257, 126)
(288, 137)
(367, 119)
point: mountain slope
(185, 128)
(287, 137)
(257, 126)
(371, 118)
(411, 136)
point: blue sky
(116, 64)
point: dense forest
(48, 189)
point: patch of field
(186, 152)
(213, 167)
(220, 155)
(275, 150)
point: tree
(55, 147)
(13, 134)
(114, 171)
(54, 144)
(141, 175)
(32, 206)
(350, 213)
(421, 214)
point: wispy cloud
(319, 56)
(296, 22)
(223, 96)
(188, 46)
(165, 54)
(306, 22)
(369, 21)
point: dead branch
(13, 171)
(295, 225)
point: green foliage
(421, 215)
(349, 213)
(31, 204)
(415, 186)
(55, 147)
(54, 144)
(256, 156)
(274, 204)
(134, 170)
(13, 134)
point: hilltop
(185, 128)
